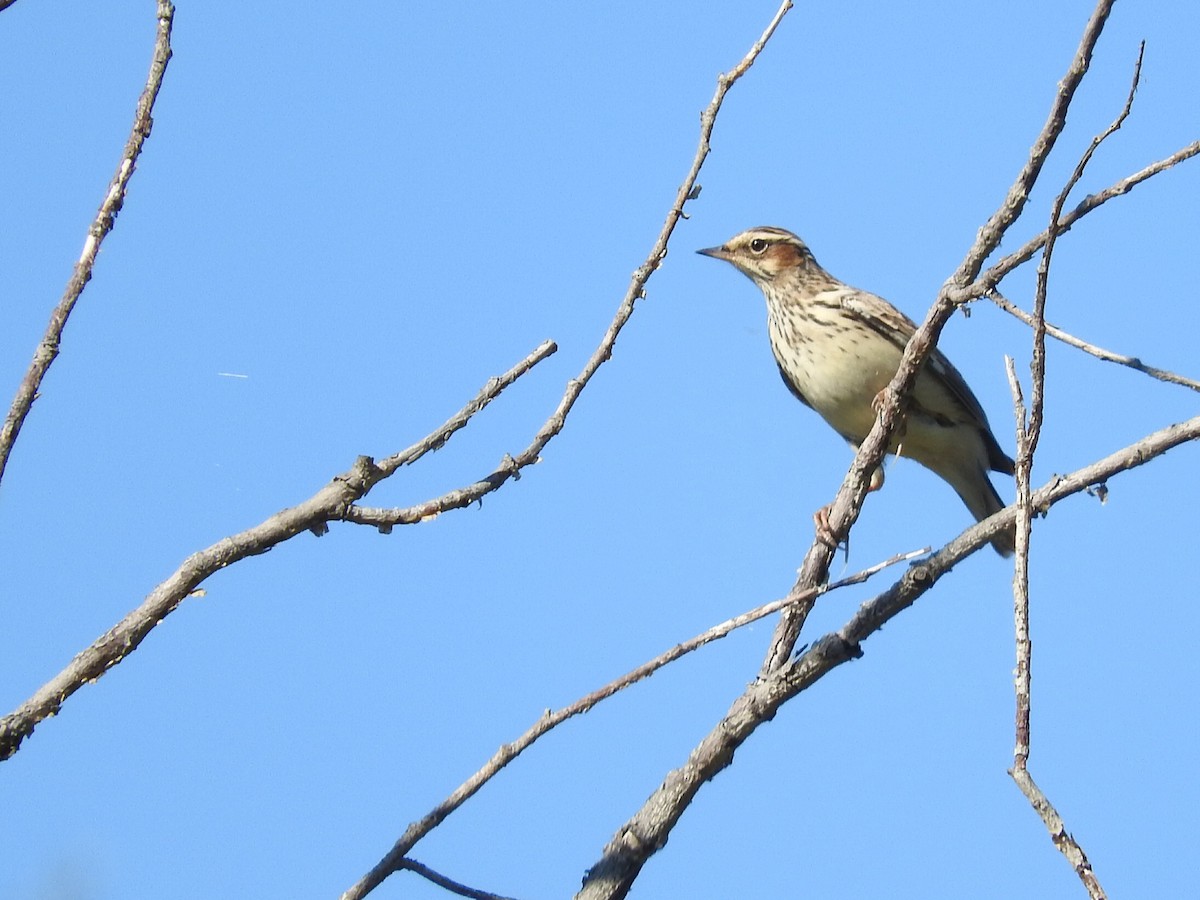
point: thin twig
(449, 884)
(102, 224)
(395, 857)
(1092, 349)
(1033, 430)
(313, 514)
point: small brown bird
(838, 347)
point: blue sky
(368, 212)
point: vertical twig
(1028, 434)
(1021, 572)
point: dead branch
(102, 224)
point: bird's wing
(888, 322)
(791, 385)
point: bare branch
(449, 884)
(648, 830)
(395, 858)
(1062, 839)
(438, 439)
(1099, 352)
(1021, 678)
(313, 514)
(106, 217)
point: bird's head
(765, 253)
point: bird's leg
(824, 532)
(821, 517)
(877, 401)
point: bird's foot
(825, 532)
(877, 401)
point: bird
(838, 347)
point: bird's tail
(980, 496)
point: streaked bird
(838, 347)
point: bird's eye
(758, 246)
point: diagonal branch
(106, 217)
(436, 440)
(994, 230)
(512, 466)
(313, 514)
(449, 884)
(992, 277)
(1099, 352)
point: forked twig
(511, 466)
(313, 514)
(989, 279)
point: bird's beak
(715, 252)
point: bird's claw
(825, 531)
